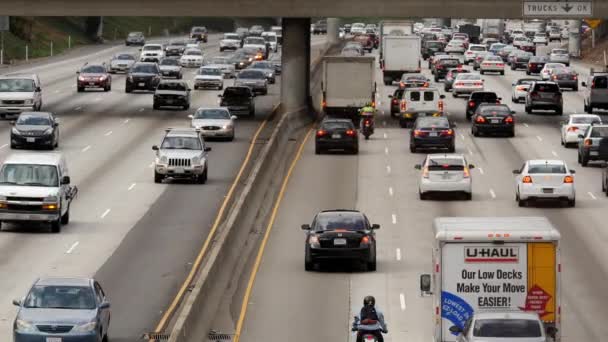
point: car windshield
(178, 43)
(255, 41)
(432, 122)
(585, 120)
(152, 48)
(332, 125)
(547, 87)
(507, 328)
(485, 96)
(497, 46)
(169, 61)
(449, 62)
(493, 59)
(60, 297)
(251, 74)
(144, 69)
(495, 111)
(352, 221)
(478, 48)
(193, 53)
(546, 168)
(599, 132)
(175, 86)
(17, 85)
(210, 71)
(135, 34)
(125, 57)
(270, 38)
(445, 164)
(181, 143)
(434, 44)
(36, 120)
(560, 52)
(29, 175)
(219, 114)
(231, 36)
(538, 59)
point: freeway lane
(382, 182)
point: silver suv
(20, 93)
(182, 154)
(595, 91)
(591, 144)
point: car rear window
(495, 110)
(415, 96)
(599, 132)
(353, 221)
(432, 122)
(175, 86)
(507, 328)
(429, 96)
(478, 48)
(585, 120)
(600, 82)
(331, 125)
(547, 88)
(237, 92)
(449, 62)
(484, 96)
(546, 168)
(445, 164)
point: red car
(93, 76)
(366, 40)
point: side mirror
(499, 98)
(442, 96)
(78, 72)
(572, 171)
(38, 89)
(234, 117)
(55, 124)
(418, 167)
(16, 302)
(305, 227)
(190, 116)
(188, 89)
(104, 305)
(471, 166)
(425, 283)
(13, 122)
(390, 96)
(375, 226)
(516, 172)
(455, 329)
(207, 149)
(512, 112)
(65, 180)
(154, 148)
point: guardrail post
(51, 48)
(27, 53)
(69, 42)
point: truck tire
(56, 226)
(158, 178)
(65, 218)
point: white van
(19, 93)
(419, 100)
(271, 38)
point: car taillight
(574, 77)
(351, 132)
(527, 179)
(440, 106)
(477, 84)
(572, 129)
(530, 65)
(471, 104)
(403, 105)
(569, 179)
(520, 88)
(554, 77)
(534, 95)
(425, 85)
(447, 133)
(321, 133)
(439, 67)
(485, 64)
(419, 133)
(500, 64)
(480, 119)
(395, 101)
(588, 142)
(509, 120)
(458, 84)
(425, 172)
(466, 172)
(324, 104)
(401, 84)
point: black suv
(478, 97)
(337, 134)
(431, 47)
(239, 100)
(544, 95)
(493, 118)
(340, 234)
(143, 76)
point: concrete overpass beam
(295, 78)
(333, 30)
(574, 43)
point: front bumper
(142, 85)
(218, 133)
(28, 216)
(173, 53)
(179, 172)
(40, 140)
(208, 83)
(161, 101)
(535, 191)
(42, 337)
(11, 110)
(463, 185)
(171, 73)
(239, 110)
(150, 59)
(91, 84)
(119, 68)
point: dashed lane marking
(554, 154)
(390, 191)
(592, 195)
(492, 193)
(108, 133)
(388, 169)
(480, 170)
(394, 218)
(402, 301)
(131, 187)
(398, 254)
(105, 213)
(72, 247)
(88, 147)
(539, 138)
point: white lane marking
(554, 154)
(72, 247)
(385, 136)
(388, 169)
(470, 151)
(402, 301)
(78, 108)
(131, 187)
(386, 151)
(105, 213)
(141, 109)
(390, 191)
(398, 254)
(480, 170)
(125, 122)
(461, 136)
(526, 125)
(88, 147)
(3, 146)
(492, 193)
(57, 91)
(592, 195)
(394, 218)
(539, 138)
(108, 133)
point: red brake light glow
(480, 119)
(351, 132)
(509, 119)
(321, 133)
(471, 104)
(572, 129)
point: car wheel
(387, 83)
(528, 110)
(454, 94)
(80, 89)
(475, 132)
(158, 178)
(572, 202)
(512, 133)
(155, 106)
(527, 72)
(422, 195)
(514, 100)
(452, 149)
(355, 150)
(584, 161)
(187, 106)
(65, 218)
(559, 111)
(371, 266)
(13, 146)
(481, 72)
(318, 149)
(128, 90)
(413, 149)
(575, 88)
(203, 177)
(522, 203)
(221, 87)
(468, 196)
(502, 73)
(56, 226)
(436, 79)
(587, 109)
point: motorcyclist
(367, 113)
(370, 320)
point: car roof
(583, 116)
(213, 108)
(431, 119)
(40, 114)
(336, 211)
(64, 281)
(336, 120)
(37, 158)
(525, 79)
(422, 89)
(545, 161)
(506, 314)
(20, 75)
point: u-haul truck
(493, 263)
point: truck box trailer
(400, 54)
(493, 263)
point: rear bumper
(438, 142)
(465, 90)
(534, 191)
(545, 105)
(567, 83)
(340, 253)
(494, 128)
(41, 140)
(338, 144)
(463, 185)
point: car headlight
(29, 101)
(164, 160)
(48, 131)
(51, 198)
(228, 126)
(196, 160)
(24, 326)
(16, 131)
(87, 327)
(269, 74)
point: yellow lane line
(175, 303)
(258, 260)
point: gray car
(560, 56)
(214, 122)
(175, 48)
(121, 62)
(63, 309)
(267, 68)
(254, 79)
(169, 67)
(596, 91)
(589, 143)
(565, 78)
(135, 38)
(172, 93)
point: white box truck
(396, 27)
(493, 28)
(400, 54)
(493, 263)
(348, 85)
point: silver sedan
(214, 123)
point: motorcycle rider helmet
(369, 301)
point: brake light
(530, 65)
(439, 67)
(520, 88)
(574, 77)
(324, 104)
(447, 133)
(425, 172)
(419, 133)
(425, 85)
(401, 84)
(568, 179)
(500, 64)
(534, 95)
(321, 133)
(509, 119)
(572, 129)
(458, 84)
(588, 142)
(467, 173)
(395, 101)
(440, 105)
(471, 104)
(480, 119)
(478, 84)
(527, 179)
(351, 133)
(554, 77)
(403, 105)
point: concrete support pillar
(333, 30)
(295, 77)
(574, 43)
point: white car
(560, 56)
(545, 73)
(193, 44)
(500, 325)
(209, 76)
(271, 38)
(544, 180)
(231, 41)
(192, 58)
(519, 89)
(555, 34)
(152, 53)
(357, 28)
(467, 83)
(455, 46)
(214, 122)
(445, 174)
(518, 40)
(540, 38)
(473, 51)
(576, 125)
(256, 43)
(492, 64)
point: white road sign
(558, 8)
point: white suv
(418, 100)
(20, 93)
(182, 154)
(445, 174)
(472, 52)
(152, 53)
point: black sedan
(565, 78)
(520, 60)
(479, 97)
(536, 64)
(340, 235)
(36, 129)
(143, 76)
(337, 134)
(432, 132)
(395, 98)
(493, 119)
(414, 81)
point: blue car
(63, 310)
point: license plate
(179, 170)
(336, 136)
(141, 84)
(53, 339)
(30, 140)
(594, 153)
(91, 83)
(495, 121)
(446, 176)
(433, 134)
(547, 190)
(339, 242)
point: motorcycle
(366, 337)
(367, 127)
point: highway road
(136, 237)
(290, 304)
